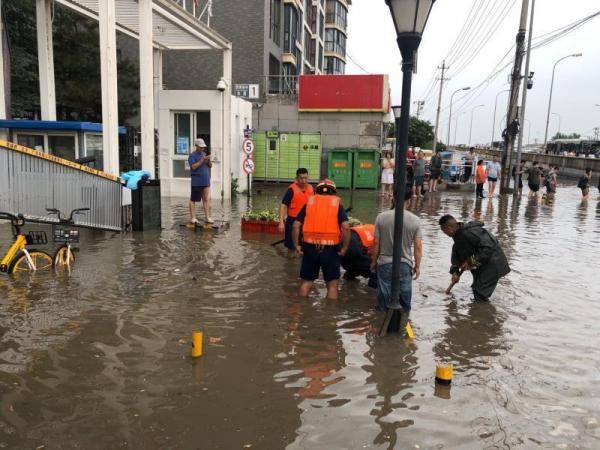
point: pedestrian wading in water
(477, 250)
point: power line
(357, 64)
(492, 30)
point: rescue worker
(357, 260)
(293, 201)
(324, 226)
(477, 250)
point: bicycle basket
(65, 236)
(36, 238)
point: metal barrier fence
(31, 181)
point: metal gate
(31, 181)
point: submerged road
(100, 358)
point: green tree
(560, 135)
(420, 133)
(76, 66)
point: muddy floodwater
(99, 359)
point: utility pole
(524, 99)
(512, 121)
(420, 104)
(439, 108)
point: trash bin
(340, 168)
(145, 206)
(366, 169)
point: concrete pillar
(158, 80)
(108, 75)
(226, 126)
(146, 86)
(43, 10)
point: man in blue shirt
(200, 165)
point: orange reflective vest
(321, 222)
(366, 233)
(299, 198)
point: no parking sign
(248, 166)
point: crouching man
(477, 250)
(357, 260)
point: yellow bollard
(443, 373)
(197, 344)
(409, 331)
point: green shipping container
(366, 169)
(339, 168)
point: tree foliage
(76, 66)
(560, 135)
(420, 133)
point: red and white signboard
(248, 166)
(248, 147)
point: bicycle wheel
(20, 264)
(60, 257)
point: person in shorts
(325, 238)
(200, 164)
(584, 183)
(387, 174)
(493, 172)
(533, 179)
(419, 172)
(435, 171)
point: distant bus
(576, 147)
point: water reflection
(473, 334)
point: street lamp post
(450, 118)
(574, 55)
(471, 128)
(559, 120)
(494, 119)
(456, 126)
(410, 18)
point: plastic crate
(65, 236)
(36, 238)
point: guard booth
(73, 141)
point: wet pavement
(100, 358)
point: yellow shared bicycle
(20, 257)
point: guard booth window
(63, 147)
(188, 126)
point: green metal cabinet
(278, 155)
(366, 169)
(339, 168)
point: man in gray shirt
(419, 173)
(383, 249)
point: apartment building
(274, 41)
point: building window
(311, 18)
(321, 24)
(312, 53)
(335, 66)
(335, 41)
(337, 14)
(291, 29)
(320, 57)
(275, 30)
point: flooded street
(100, 358)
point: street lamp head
(410, 18)
(576, 55)
(397, 109)
(466, 88)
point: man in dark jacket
(477, 250)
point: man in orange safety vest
(295, 198)
(325, 238)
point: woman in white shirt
(387, 174)
(493, 172)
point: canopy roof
(173, 28)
